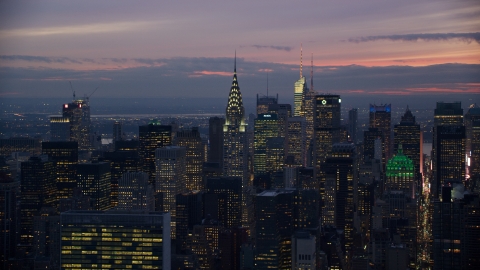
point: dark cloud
(43, 59)
(464, 37)
(278, 48)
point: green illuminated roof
(400, 165)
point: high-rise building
(65, 156)
(381, 118)
(400, 174)
(449, 159)
(263, 103)
(374, 145)
(59, 129)
(326, 133)
(191, 140)
(37, 190)
(95, 181)
(266, 126)
(78, 113)
(18, 144)
(283, 112)
(340, 175)
(115, 239)
(275, 159)
(299, 92)
(189, 211)
(235, 140)
(170, 178)
(215, 138)
(408, 134)
(273, 229)
(117, 132)
(296, 140)
(151, 137)
(353, 124)
(445, 114)
(134, 192)
(223, 200)
(9, 217)
(472, 145)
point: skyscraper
(59, 128)
(215, 138)
(408, 134)
(191, 140)
(170, 178)
(153, 136)
(472, 146)
(9, 216)
(134, 192)
(235, 147)
(95, 181)
(266, 126)
(400, 173)
(78, 113)
(296, 140)
(447, 114)
(299, 92)
(65, 156)
(263, 103)
(37, 190)
(381, 118)
(223, 200)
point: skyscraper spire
(301, 66)
(267, 84)
(235, 63)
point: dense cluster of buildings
(288, 188)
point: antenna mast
(301, 66)
(71, 87)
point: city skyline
(169, 50)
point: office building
(263, 103)
(223, 201)
(59, 129)
(9, 217)
(303, 251)
(300, 89)
(95, 181)
(170, 178)
(381, 118)
(194, 154)
(408, 134)
(31, 145)
(283, 112)
(38, 188)
(115, 239)
(65, 156)
(472, 145)
(189, 211)
(134, 192)
(266, 126)
(400, 174)
(78, 113)
(275, 160)
(151, 137)
(445, 114)
(215, 139)
(296, 140)
(340, 175)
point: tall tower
(153, 136)
(235, 151)
(448, 133)
(381, 118)
(94, 179)
(266, 126)
(191, 140)
(78, 113)
(408, 134)
(300, 91)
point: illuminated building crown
(235, 110)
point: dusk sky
(186, 48)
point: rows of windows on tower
(288, 187)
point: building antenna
(301, 52)
(73, 91)
(311, 76)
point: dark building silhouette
(264, 101)
(223, 200)
(95, 181)
(215, 138)
(381, 118)
(189, 213)
(9, 218)
(37, 191)
(353, 124)
(30, 145)
(153, 136)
